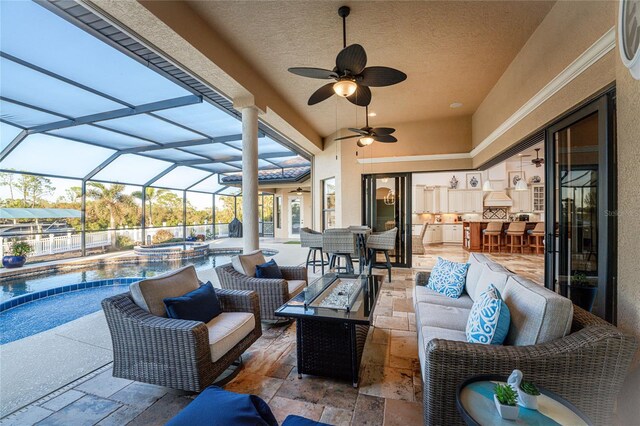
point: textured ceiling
(451, 51)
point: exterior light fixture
(345, 88)
(486, 186)
(367, 140)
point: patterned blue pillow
(489, 319)
(448, 278)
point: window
(279, 212)
(328, 203)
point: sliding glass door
(581, 231)
(386, 204)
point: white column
(250, 178)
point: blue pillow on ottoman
(489, 318)
(218, 407)
(201, 304)
(269, 270)
(448, 278)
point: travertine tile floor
(390, 391)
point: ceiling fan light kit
(345, 88)
(366, 140)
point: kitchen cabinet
(456, 201)
(429, 200)
(452, 234)
(441, 199)
(418, 199)
(521, 201)
(473, 201)
(433, 235)
(537, 193)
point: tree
(151, 195)
(31, 188)
(113, 199)
(6, 179)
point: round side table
(474, 399)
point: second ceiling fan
(369, 135)
(352, 77)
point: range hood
(498, 199)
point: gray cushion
(435, 315)
(476, 260)
(227, 330)
(492, 273)
(246, 263)
(424, 294)
(426, 334)
(150, 293)
(538, 315)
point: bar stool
(536, 238)
(313, 240)
(339, 243)
(492, 237)
(515, 236)
(382, 242)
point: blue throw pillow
(448, 277)
(218, 407)
(489, 318)
(201, 304)
(269, 270)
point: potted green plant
(19, 251)
(506, 398)
(528, 395)
(583, 290)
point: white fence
(50, 244)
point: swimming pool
(18, 286)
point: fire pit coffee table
(333, 316)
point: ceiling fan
(352, 79)
(538, 161)
(299, 191)
(368, 135)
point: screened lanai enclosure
(94, 121)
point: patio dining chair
(340, 243)
(381, 242)
(313, 240)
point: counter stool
(492, 237)
(516, 236)
(536, 238)
(313, 240)
(340, 242)
(383, 242)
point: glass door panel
(295, 216)
(580, 235)
(385, 206)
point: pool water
(16, 287)
(49, 312)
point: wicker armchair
(417, 242)
(340, 242)
(313, 240)
(273, 293)
(587, 367)
(172, 352)
(381, 242)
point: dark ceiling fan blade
(381, 131)
(380, 76)
(385, 139)
(361, 131)
(313, 72)
(348, 137)
(352, 58)
(325, 92)
(361, 97)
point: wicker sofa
(560, 346)
(189, 355)
(272, 293)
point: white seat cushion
(150, 293)
(436, 315)
(424, 294)
(246, 263)
(429, 333)
(538, 315)
(227, 330)
(295, 286)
